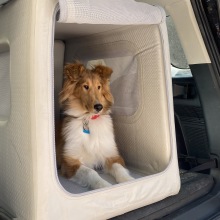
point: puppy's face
(86, 91)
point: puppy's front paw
(96, 182)
(124, 178)
(101, 184)
(120, 173)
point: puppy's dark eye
(99, 87)
(86, 87)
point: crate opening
(139, 113)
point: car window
(179, 65)
(212, 9)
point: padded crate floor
(74, 188)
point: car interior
(182, 178)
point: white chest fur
(90, 149)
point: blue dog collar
(86, 131)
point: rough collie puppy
(86, 139)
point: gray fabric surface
(5, 94)
(74, 188)
(193, 186)
(5, 215)
(2, 2)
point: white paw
(120, 173)
(88, 177)
(124, 178)
(96, 182)
(100, 184)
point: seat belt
(204, 166)
(199, 164)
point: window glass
(212, 9)
(179, 65)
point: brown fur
(75, 96)
(69, 166)
(112, 160)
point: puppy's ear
(73, 71)
(103, 71)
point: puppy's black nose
(98, 107)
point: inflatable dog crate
(129, 37)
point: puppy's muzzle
(98, 107)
